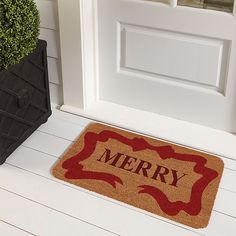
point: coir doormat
(169, 180)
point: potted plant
(24, 86)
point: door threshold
(180, 132)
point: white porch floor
(33, 202)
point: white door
(178, 62)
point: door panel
(178, 62)
(184, 58)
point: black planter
(24, 100)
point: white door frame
(79, 71)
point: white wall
(49, 32)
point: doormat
(165, 179)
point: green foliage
(19, 30)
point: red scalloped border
(193, 207)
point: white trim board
(181, 132)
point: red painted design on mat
(193, 207)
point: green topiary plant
(19, 30)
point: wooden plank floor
(33, 202)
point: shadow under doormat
(166, 179)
